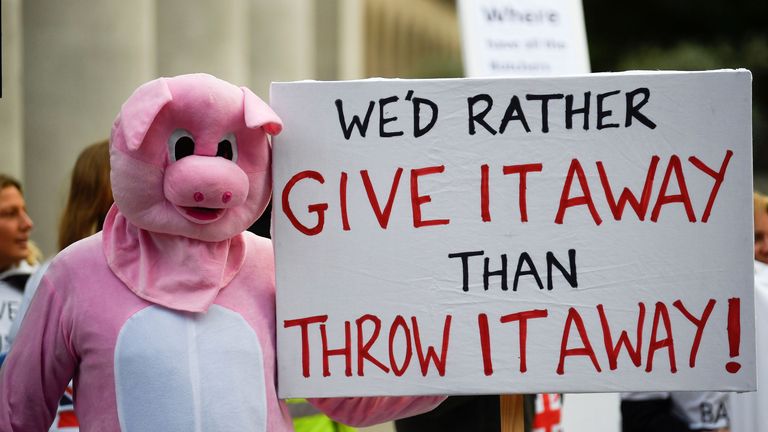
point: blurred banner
(523, 38)
(514, 235)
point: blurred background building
(68, 65)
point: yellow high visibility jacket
(307, 418)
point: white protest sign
(514, 235)
(523, 37)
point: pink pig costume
(166, 319)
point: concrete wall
(81, 60)
(203, 36)
(11, 103)
(68, 67)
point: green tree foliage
(686, 35)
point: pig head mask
(190, 157)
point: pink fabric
(209, 110)
(172, 252)
(374, 410)
(73, 325)
(177, 272)
(72, 328)
(138, 116)
(258, 113)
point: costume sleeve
(39, 365)
(367, 411)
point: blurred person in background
(761, 227)
(681, 411)
(18, 257)
(307, 418)
(90, 195)
(89, 199)
(750, 410)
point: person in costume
(166, 318)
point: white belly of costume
(189, 372)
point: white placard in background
(523, 38)
(521, 235)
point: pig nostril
(198, 196)
(226, 197)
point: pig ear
(259, 114)
(140, 110)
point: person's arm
(38, 367)
(367, 411)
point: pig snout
(199, 197)
(202, 187)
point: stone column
(351, 57)
(11, 104)
(204, 36)
(82, 59)
(282, 35)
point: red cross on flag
(548, 409)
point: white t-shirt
(29, 291)
(698, 410)
(10, 300)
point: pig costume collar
(190, 172)
(142, 259)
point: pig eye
(180, 145)
(228, 148)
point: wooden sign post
(512, 416)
